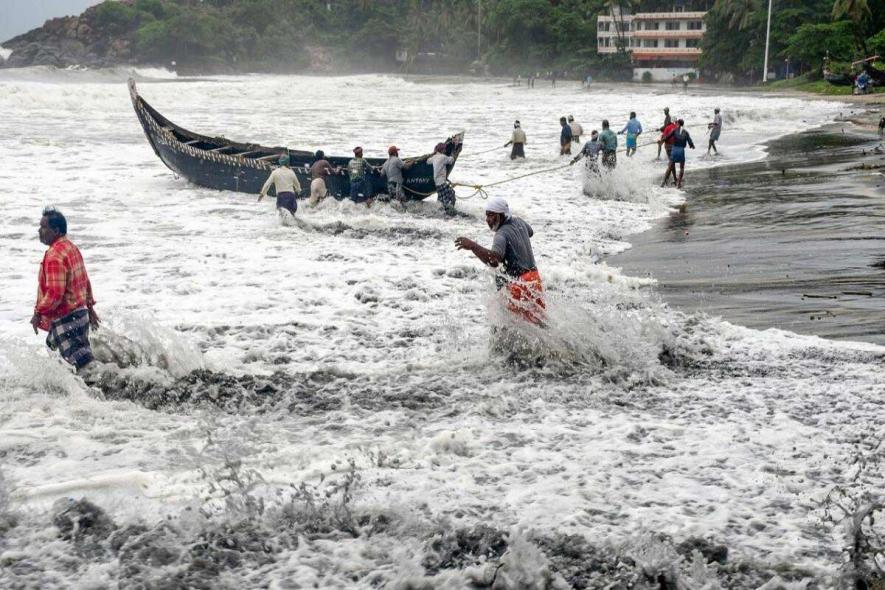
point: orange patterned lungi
(527, 297)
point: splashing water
(319, 401)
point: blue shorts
(360, 190)
(286, 200)
(631, 141)
(677, 155)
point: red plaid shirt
(64, 285)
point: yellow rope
(480, 189)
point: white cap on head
(498, 205)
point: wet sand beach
(795, 242)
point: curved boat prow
(219, 163)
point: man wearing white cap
(512, 250)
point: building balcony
(664, 53)
(669, 15)
(667, 34)
(647, 53)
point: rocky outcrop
(68, 41)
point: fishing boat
(219, 163)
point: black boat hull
(216, 162)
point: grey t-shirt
(439, 162)
(512, 243)
(393, 169)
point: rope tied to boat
(481, 189)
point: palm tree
(739, 12)
(616, 8)
(857, 12)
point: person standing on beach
(715, 130)
(633, 129)
(65, 306)
(591, 151)
(681, 138)
(445, 192)
(667, 121)
(609, 142)
(668, 145)
(881, 127)
(319, 170)
(392, 169)
(565, 137)
(512, 251)
(577, 130)
(286, 184)
(518, 141)
(358, 168)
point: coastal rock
(68, 41)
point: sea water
(331, 402)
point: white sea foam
(357, 341)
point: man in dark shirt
(565, 138)
(681, 138)
(512, 251)
(663, 129)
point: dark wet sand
(796, 241)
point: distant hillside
(515, 36)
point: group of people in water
(603, 147)
(65, 302)
(359, 171)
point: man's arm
(54, 289)
(94, 320)
(488, 257)
(54, 275)
(690, 142)
(266, 186)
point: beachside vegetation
(804, 33)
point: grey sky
(20, 16)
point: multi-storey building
(666, 44)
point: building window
(671, 43)
(652, 26)
(672, 25)
(692, 42)
(695, 25)
(650, 43)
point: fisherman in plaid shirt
(64, 296)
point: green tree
(858, 12)
(812, 42)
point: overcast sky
(20, 16)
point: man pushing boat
(286, 184)
(512, 251)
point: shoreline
(753, 242)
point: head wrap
(357, 150)
(440, 147)
(498, 205)
(571, 118)
(516, 123)
(284, 160)
(392, 150)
